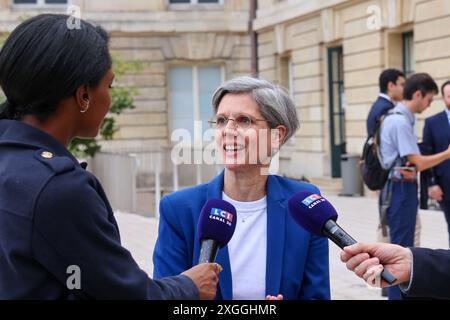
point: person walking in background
(391, 84)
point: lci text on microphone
(316, 215)
(216, 226)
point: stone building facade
(334, 51)
(329, 53)
(207, 42)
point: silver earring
(87, 108)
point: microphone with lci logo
(316, 215)
(215, 228)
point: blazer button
(47, 155)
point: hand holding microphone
(365, 261)
(205, 278)
(316, 215)
(216, 226)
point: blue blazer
(436, 136)
(297, 262)
(379, 108)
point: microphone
(316, 215)
(215, 228)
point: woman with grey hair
(269, 256)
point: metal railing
(135, 181)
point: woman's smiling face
(241, 131)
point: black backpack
(372, 172)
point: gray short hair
(275, 104)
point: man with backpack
(400, 154)
(391, 83)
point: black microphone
(317, 216)
(215, 228)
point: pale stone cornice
(150, 22)
(283, 12)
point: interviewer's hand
(396, 259)
(205, 278)
(435, 193)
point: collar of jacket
(17, 133)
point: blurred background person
(391, 83)
(436, 138)
(268, 254)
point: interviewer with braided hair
(55, 219)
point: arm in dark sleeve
(170, 255)
(72, 227)
(316, 278)
(431, 276)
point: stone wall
(370, 33)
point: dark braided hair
(43, 62)
(7, 110)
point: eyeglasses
(243, 122)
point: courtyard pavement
(358, 216)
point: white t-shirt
(248, 249)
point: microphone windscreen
(217, 221)
(311, 211)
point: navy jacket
(55, 215)
(297, 262)
(430, 277)
(379, 109)
(436, 137)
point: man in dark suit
(436, 138)
(391, 84)
(420, 272)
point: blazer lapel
(276, 220)
(215, 188)
(225, 279)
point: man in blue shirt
(391, 82)
(436, 137)
(398, 148)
